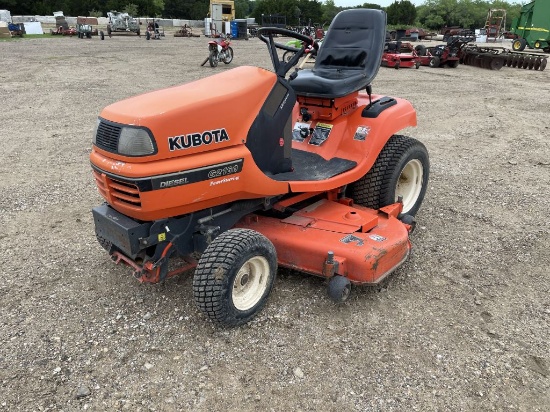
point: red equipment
(219, 49)
(398, 54)
(449, 54)
(305, 171)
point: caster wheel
(339, 289)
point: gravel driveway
(462, 326)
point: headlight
(135, 141)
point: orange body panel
(364, 254)
(342, 144)
(230, 101)
(250, 183)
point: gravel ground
(462, 325)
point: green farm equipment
(532, 28)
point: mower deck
(329, 238)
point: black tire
(138, 32)
(147, 35)
(420, 50)
(453, 64)
(102, 35)
(339, 289)
(401, 169)
(228, 56)
(234, 276)
(109, 31)
(213, 58)
(434, 62)
(519, 44)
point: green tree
(402, 12)
(370, 6)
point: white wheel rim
(409, 184)
(250, 283)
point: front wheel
(147, 35)
(213, 58)
(228, 56)
(234, 276)
(434, 62)
(401, 170)
(102, 35)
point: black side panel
(269, 138)
(310, 166)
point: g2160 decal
(197, 175)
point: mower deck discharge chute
(306, 171)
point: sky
(383, 3)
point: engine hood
(221, 107)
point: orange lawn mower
(305, 171)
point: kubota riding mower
(306, 171)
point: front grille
(118, 192)
(107, 136)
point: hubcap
(250, 283)
(409, 184)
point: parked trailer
(494, 58)
(532, 27)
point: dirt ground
(463, 325)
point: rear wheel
(234, 276)
(213, 58)
(401, 170)
(102, 35)
(109, 31)
(228, 56)
(420, 50)
(519, 44)
(452, 64)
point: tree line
(432, 14)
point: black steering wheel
(281, 67)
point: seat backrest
(349, 57)
(354, 42)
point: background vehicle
(400, 54)
(154, 30)
(532, 28)
(219, 50)
(306, 172)
(444, 54)
(85, 28)
(122, 23)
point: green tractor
(532, 27)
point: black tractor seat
(349, 58)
